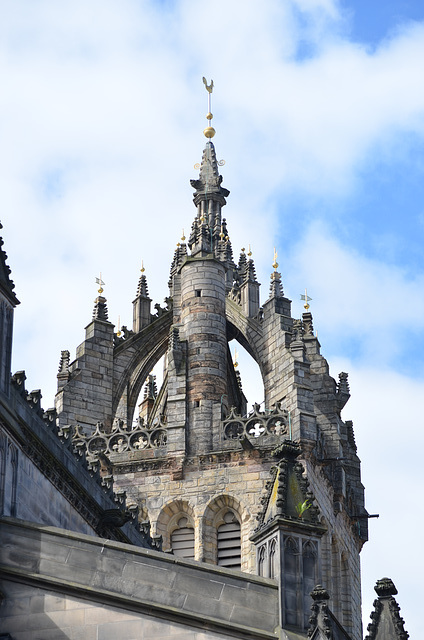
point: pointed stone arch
(133, 360)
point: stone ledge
(130, 578)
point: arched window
(273, 558)
(182, 539)
(262, 561)
(229, 542)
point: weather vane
(100, 282)
(209, 131)
(306, 298)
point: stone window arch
(177, 526)
(226, 510)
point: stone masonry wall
(27, 494)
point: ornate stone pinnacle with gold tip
(275, 263)
(100, 282)
(209, 132)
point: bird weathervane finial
(209, 131)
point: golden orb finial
(142, 267)
(275, 263)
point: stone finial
(276, 287)
(308, 327)
(385, 587)
(242, 266)
(297, 334)
(142, 287)
(386, 621)
(319, 593)
(250, 274)
(150, 388)
(100, 311)
(343, 386)
(64, 363)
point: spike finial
(249, 253)
(275, 263)
(209, 132)
(235, 361)
(119, 332)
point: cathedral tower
(276, 491)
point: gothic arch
(133, 361)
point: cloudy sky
(319, 112)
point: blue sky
(319, 112)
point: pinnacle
(100, 311)
(209, 181)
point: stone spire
(386, 622)
(141, 304)
(209, 198)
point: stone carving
(122, 438)
(287, 477)
(257, 423)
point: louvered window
(182, 540)
(228, 542)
